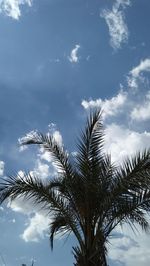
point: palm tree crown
(90, 196)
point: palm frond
(33, 188)
(26, 186)
(132, 180)
(59, 224)
(90, 144)
(59, 155)
(135, 173)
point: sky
(58, 59)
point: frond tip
(59, 224)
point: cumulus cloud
(110, 107)
(41, 170)
(58, 138)
(115, 20)
(132, 103)
(141, 112)
(73, 58)
(37, 219)
(2, 165)
(12, 9)
(52, 168)
(136, 80)
(126, 245)
(136, 74)
(122, 142)
(37, 228)
(22, 206)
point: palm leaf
(59, 224)
(90, 145)
(59, 155)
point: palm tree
(90, 196)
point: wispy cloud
(12, 9)
(136, 74)
(115, 20)
(73, 58)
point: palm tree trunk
(90, 258)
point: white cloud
(36, 229)
(122, 142)
(135, 75)
(41, 170)
(110, 107)
(141, 112)
(73, 58)
(45, 155)
(22, 206)
(57, 137)
(12, 9)
(38, 219)
(131, 250)
(143, 66)
(132, 104)
(115, 20)
(138, 93)
(2, 165)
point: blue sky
(58, 58)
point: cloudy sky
(58, 58)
